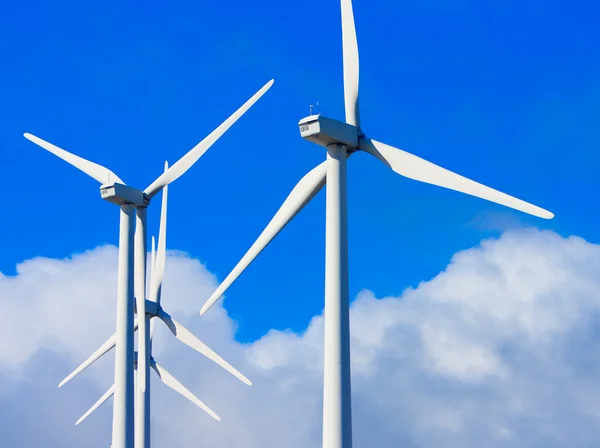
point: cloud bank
(501, 349)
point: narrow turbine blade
(98, 172)
(301, 195)
(152, 274)
(351, 68)
(172, 382)
(161, 253)
(415, 168)
(152, 263)
(109, 393)
(188, 338)
(194, 154)
(151, 330)
(104, 348)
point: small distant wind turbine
(341, 140)
(154, 309)
(130, 199)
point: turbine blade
(188, 338)
(109, 393)
(152, 274)
(183, 164)
(301, 195)
(161, 253)
(172, 382)
(98, 172)
(152, 263)
(151, 330)
(351, 66)
(104, 348)
(413, 167)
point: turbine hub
(152, 308)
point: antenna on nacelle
(311, 108)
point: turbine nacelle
(326, 131)
(122, 194)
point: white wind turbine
(154, 309)
(130, 199)
(341, 140)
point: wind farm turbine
(342, 139)
(154, 310)
(165, 377)
(131, 200)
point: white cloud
(501, 349)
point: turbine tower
(342, 139)
(154, 309)
(131, 200)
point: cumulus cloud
(501, 349)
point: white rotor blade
(98, 172)
(161, 253)
(104, 348)
(109, 393)
(151, 331)
(301, 195)
(413, 167)
(172, 382)
(152, 274)
(152, 262)
(183, 164)
(189, 339)
(351, 68)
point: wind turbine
(341, 140)
(153, 310)
(130, 199)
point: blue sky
(505, 93)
